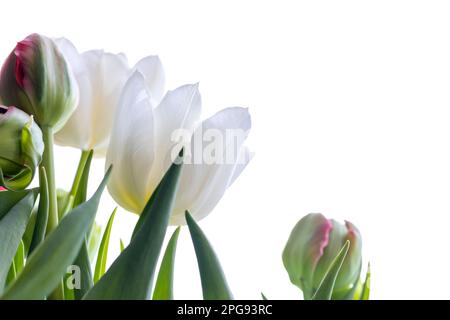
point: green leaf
(40, 225)
(9, 199)
(28, 234)
(65, 203)
(94, 241)
(325, 290)
(122, 246)
(81, 192)
(69, 293)
(48, 264)
(102, 257)
(14, 220)
(11, 274)
(131, 275)
(143, 215)
(19, 259)
(17, 264)
(77, 196)
(365, 293)
(164, 283)
(349, 293)
(83, 262)
(214, 284)
(263, 296)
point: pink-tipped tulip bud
(312, 246)
(21, 148)
(36, 78)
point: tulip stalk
(49, 164)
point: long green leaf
(12, 226)
(93, 242)
(365, 293)
(42, 214)
(9, 199)
(144, 213)
(102, 257)
(214, 284)
(49, 261)
(11, 274)
(19, 259)
(83, 262)
(81, 193)
(164, 284)
(325, 290)
(131, 275)
(28, 234)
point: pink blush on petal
(322, 237)
(21, 51)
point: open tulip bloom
(164, 162)
(146, 139)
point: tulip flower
(146, 139)
(35, 78)
(313, 244)
(101, 76)
(21, 148)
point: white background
(351, 110)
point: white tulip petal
(100, 77)
(108, 74)
(131, 149)
(244, 158)
(179, 110)
(202, 185)
(72, 134)
(71, 54)
(153, 71)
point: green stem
(79, 174)
(49, 165)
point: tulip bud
(312, 246)
(21, 148)
(36, 78)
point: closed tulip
(146, 139)
(21, 148)
(101, 76)
(36, 78)
(313, 244)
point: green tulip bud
(21, 148)
(312, 246)
(36, 78)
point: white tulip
(101, 77)
(142, 148)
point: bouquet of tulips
(161, 163)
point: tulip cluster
(162, 162)
(87, 99)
